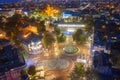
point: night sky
(9, 1)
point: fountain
(70, 49)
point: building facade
(11, 61)
(32, 43)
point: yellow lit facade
(32, 29)
(51, 12)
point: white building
(32, 43)
(7, 13)
(70, 27)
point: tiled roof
(30, 38)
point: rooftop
(29, 37)
(9, 57)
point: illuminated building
(71, 16)
(7, 13)
(70, 27)
(71, 21)
(32, 43)
(51, 11)
(2, 34)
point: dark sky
(9, 1)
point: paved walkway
(61, 74)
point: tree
(41, 26)
(80, 37)
(32, 70)
(43, 15)
(13, 27)
(24, 75)
(57, 30)
(61, 38)
(31, 21)
(89, 28)
(48, 39)
(89, 25)
(2, 22)
(78, 71)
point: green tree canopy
(24, 75)
(32, 70)
(23, 72)
(57, 30)
(79, 37)
(89, 28)
(89, 25)
(41, 26)
(61, 38)
(78, 71)
(13, 26)
(48, 39)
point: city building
(7, 13)
(52, 0)
(2, 34)
(70, 21)
(106, 43)
(71, 14)
(11, 61)
(32, 43)
(70, 26)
